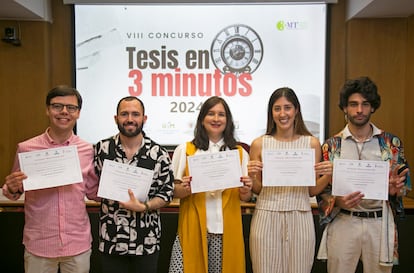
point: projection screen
(175, 56)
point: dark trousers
(129, 264)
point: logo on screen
(237, 49)
(290, 25)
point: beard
(359, 122)
(129, 133)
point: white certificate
(290, 167)
(50, 167)
(215, 171)
(117, 178)
(368, 177)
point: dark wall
(11, 251)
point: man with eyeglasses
(57, 231)
(358, 228)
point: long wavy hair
(299, 124)
(201, 139)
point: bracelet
(147, 208)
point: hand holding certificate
(117, 178)
(368, 177)
(292, 167)
(50, 167)
(215, 171)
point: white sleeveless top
(284, 198)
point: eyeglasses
(58, 107)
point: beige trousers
(71, 264)
(350, 239)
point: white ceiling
(25, 10)
(379, 8)
(40, 10)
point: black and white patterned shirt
(126, 232)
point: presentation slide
(174, 57)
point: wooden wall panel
(336, 70)
(377, 48)
(24, 76)
(27, 73)
(380, 48)
(62, 58)
(409, 97)
(383, 49)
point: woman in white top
(282, 235)
(210, 231)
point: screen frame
(238, 2)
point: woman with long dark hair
(282, 235)
(210, 231)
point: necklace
(360, 147)
(359, 144)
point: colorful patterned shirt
(126, 232)
(391, 150)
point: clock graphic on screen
(237, 49)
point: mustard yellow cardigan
(192, 230)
